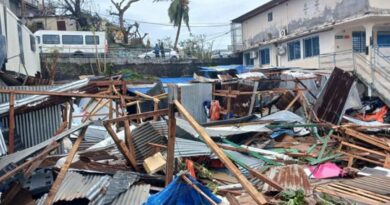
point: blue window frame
(264, 56)
(247, 59)
(294, 50)
(383, 39)
(359, 41)
(311, 46)
(270, 16)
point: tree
(178, 12)
(74, 7)
(197, 47)
(121, 7)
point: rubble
(285, 135)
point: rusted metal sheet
(290, 177)
(364, 190)
(377, 184)
(330, 104)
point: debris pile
(284, 136)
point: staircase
(373, 70)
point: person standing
(162, 50)
(157, 50)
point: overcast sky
(202, 12)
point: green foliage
(197, 47)
(290, 197)
(131, 74)
(179, 11)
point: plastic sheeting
(179, 192)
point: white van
(18, 46)
(78, 43)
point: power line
(203, 25)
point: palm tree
(178, 12)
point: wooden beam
(265, 179)
(232, 200)
(64, 169)
(64, 94)
(257, 196)
(122, 147)
(19, 168)
(229, 104)
(138, 116)
(11, 123)
(171, 144)
(253, 99)
(367, 138)
(197, 189)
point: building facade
(57, 23)
(298, 33)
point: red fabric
(190, 168)
(215, 110)
(379, 116)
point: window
(270, 16)
(312, 47)
(294, 50)
(33, 43)
(247, 59)
(38, 39)
(359, 41)
(383, 38)
(51, 39)
(72, 39)
(39, 25)
(264, 56)
(92, 40)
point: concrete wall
(72, 70)
(299, 15)
(50, 23)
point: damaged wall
(299, 15)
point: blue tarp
(176, 80)
(179, 192)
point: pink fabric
(327, 170)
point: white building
(313, 33)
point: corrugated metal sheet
(291, 177)
(77, 186)
(119, 184)
(377, 184)
(3, 146)
(221, 131)
(36, 126)
(4, 98)
(145, 134)
(136, 195)
(4, 107)
(192, 98)
(21, 155)
(331, 102)
(248, 161)
(190, 148)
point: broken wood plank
(122, 147)
(232, 200)
(19, 168)
(11, 123)
(367, 138)
(197, 189)
(64, 169)
(253, 99)
(265, 179)
(138, 116)
(171, 144)
(253, 192)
